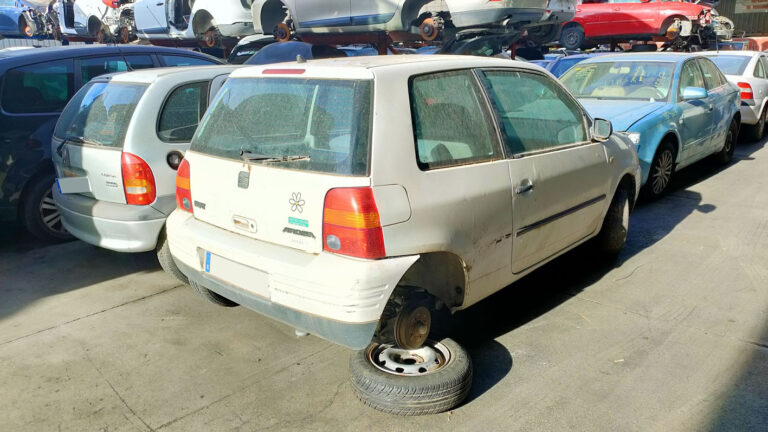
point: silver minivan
(116, 148)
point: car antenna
(300, 59)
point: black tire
(613, 234)
(430, 393)
(166, 260)
(661, 172)
(544, 34)
(572, 37)
(39, 213)
(757, 131)
(726, 154)
(212, 296)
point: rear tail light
(183, 189)
(351, 224)
(138, 181)
(746, 90)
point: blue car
(561, 64)
(676, 108)
(22, 18)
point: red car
(625, 19)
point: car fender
(653, 130)
(222, 12)
(623, 161)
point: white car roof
(731, 53)
(149, 76)
(364, 67)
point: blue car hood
(622, 113)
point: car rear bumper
(119, 227)
(749, 114)
(337, 298)
(239, 29)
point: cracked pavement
(672, 337)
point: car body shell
(458, 216)
(336, 16)
(83, 19)
(155, 21)
(12, 20)
(618, 19)
(697, 128)
(751, 109)
(25, 138)
(99, 214)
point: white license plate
(248, 278)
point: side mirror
(691, 93)
(601, 129)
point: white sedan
(749, 71)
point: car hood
(622, 114)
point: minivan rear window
(99, 114)
(317, 125)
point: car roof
(361, 67)
(71, 51)
(731, 53)
(148, 76)
(642, 56)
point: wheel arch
(268, 13)
(628, 183)
(42, 169)
(94, 25)
(202, 21)
(668, 21)
(441, 274)
(409, 12)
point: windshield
(99, 114)
(624, 80)
(315, 125)
(562, 65)
(730, 64)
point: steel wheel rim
(430, 358)
(662, 172)
(50, 214)
(729, 141)
(570, 38)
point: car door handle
(159, 4)
(711, 107)
(524, 187)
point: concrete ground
(674, 337)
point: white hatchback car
(748, 70)
(116, 149)
(102, 21)
(349, 198)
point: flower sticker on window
(297, 204)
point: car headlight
(634, 137)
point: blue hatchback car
(676, 108)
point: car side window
(181, 112)
(95, 66)
(711, 74)
(535, 112)
(764, 61)
(690, 76)
(759, 70)
(451, 121)
(176, 60)
(38, 88)
(139, 61)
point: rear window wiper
(248, 156)
(69, 139)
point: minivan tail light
(746, 90)
(138, 181)
(183, 188)
(351, 224)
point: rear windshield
(99, 114)
(299, 124)
(730, 64)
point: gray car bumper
(351, 335)
(495, 16)
(119, 227)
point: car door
(717, 106)
(559, 178)
(151, 16)
(328, 13)
(694, 124)
(634, 17)
(8, 12)
(371, 12)
(761, 92)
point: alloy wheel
(662, 172)
(50, 215)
